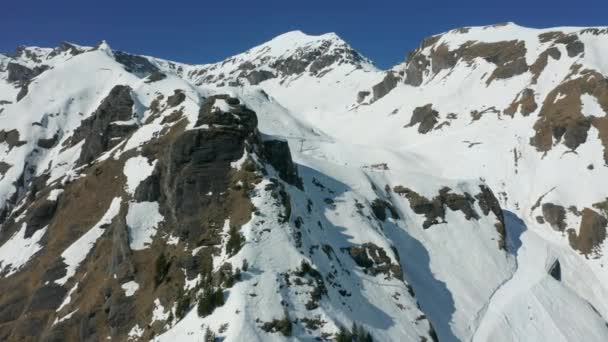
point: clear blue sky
(208, 31)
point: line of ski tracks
(481, 314)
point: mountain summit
(296, 192)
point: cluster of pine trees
(357, 334)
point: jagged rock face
(213, 115)
(555, 216)
(314, 61)
(104, 129)
(592, 232)
(137, 65)
(389, 82)
(21, 74)
(198, 164)
(561, 117)
(278, 155)
(434, 209)
(193, 186)
(314, 57)
(374, 259)
(425, 117)
(11, 138)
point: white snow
(130, 288)
(159, 313)
(78, 251)
(135, 333)
(221, 105)
(64, 318)
(54, 194)
(591, 107)
(18, 250)
(136, 170)
(68, 298)
(143, 219)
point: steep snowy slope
(524, 110)
(294, 190)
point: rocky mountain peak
(286, 56)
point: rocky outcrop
(211, 115)
(591, 234)
(135, 64)
(11, 138)
(374, 260)
(434, 209)
(574, 46)
(560, 118)
(541, 62)
(198, 163)
(555, 271)
(380, 207)
(21, 74)
(256, 77)
(48, 143)
(65, 47)
(197, 190)
(98, 132)
(430, 58)
(155, 76)
(555, 215)
(176, 99)
(317, 60)
(523, 103)
(278, 155)
(387, 84)
(425, 117)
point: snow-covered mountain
(295, 190)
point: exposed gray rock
(22, 92)
(555, 215)
(21, 74)
(362, 95)
(11, 306)
(98, 131)
(242, 115)
(4, 166)
(39, 216)
(278, 155)
(48, 143)
(379, 208)
(574, 46)
(389, 82)
(48, 297)
(138, 65)
(555, 271)
(417, 65)
(11, 138)
(426, 117)
(198, 163)
(65, 47)
(374, 260)
(256, 77)
(156, 76)
(177, 98)
(591, 234)
(149, 189)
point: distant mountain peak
(287, 55)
